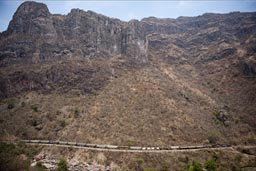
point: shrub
(238, 158)
(195, 167)
(252, 162)
(62, 165)
(62, 123)
(10, 106)
(130, 143)
(58, 112)
(40, 167)
(213, 138)
(10, 156)
(165, 167)
(34, 108)
(216, 118)
(185, 167)
(215, 156)
(34, 122)
(76, 113)
(221, 117)
(210, 165)
(252, 140)
(23, 104)
(139, 163)
(246, 151)
(183, 159)
(235, 167)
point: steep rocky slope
(87, 77)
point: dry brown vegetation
(154, 82)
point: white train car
(44, 141)
(111, 146)
(63, 142)
(135, 148)
(174, 147)
(91, 145)
(71, 143)
(34, 141)
(81, 144)
(100, 146)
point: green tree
(62, 165)
(195, 167)
(40, 166)
(139, 163)
(34, 108)
(210, 165)
(130, 143)
(165, 167)
(213, 137)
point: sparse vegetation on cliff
(86, 77)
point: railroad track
(121, 148)
(114, 148)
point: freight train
(123, 147)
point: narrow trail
(132, 149)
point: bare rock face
(38, 35)
(30, 28)
(31, 18)
(35, 35)
(91, 33)
(170, 75)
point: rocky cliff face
(37, 35)
(178, 78)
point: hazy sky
(126, 10)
